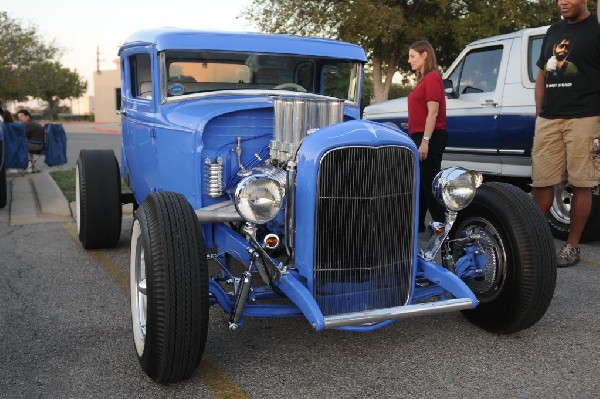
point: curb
(51, 200)
(108, 131)
(36, 198)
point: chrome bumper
(395, 313)
(218, 213)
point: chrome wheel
(520, 270)
(137, 288)
(561, 205)
(490, 285)
(559, 218)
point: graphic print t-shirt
(570, 59)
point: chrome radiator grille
(364, 244)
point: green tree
(385, 28)
(20, 48)
(51, 82)
(367, 92)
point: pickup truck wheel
(520, 275)
(560, 215)
(98, 199)
(169, 287)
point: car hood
(392, 108)
(193, 113)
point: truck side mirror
(449, 88)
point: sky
(80, 28)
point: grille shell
(364, 229)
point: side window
(535, 47)
(454, 77)
(118, 98)
(339, 79)
(140, 76)
(478, 71)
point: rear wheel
(560, 215)
(169, 288)
(98, 199)
(520, 274)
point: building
(82, 105)
(107, 95)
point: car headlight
(456, 187)
(259, 197)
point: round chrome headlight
(455, 187)
(258, 198)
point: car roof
(519, 33)
(187, 39)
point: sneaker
(568, 256)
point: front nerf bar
(399, 312)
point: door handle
(121, 112)
(489, 103)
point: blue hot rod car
(248, 150)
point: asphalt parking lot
(65, 332)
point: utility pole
(98, 60)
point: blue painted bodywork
(482, 132)
(186, 133)
(517, 132)
(298, 285)
(166, 143)
(185, 39)
(355, 133)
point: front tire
(169, 288)
(98, 199)
(560, 215)
(520, 274)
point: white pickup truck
(491, 117)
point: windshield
(188, 72)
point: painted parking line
(218, 382)
(590, 262)
(220, 385)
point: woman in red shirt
(427, 124)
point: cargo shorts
(565, 145)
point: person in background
(568, 121)
(6, 115)
(427, 125)
(34, 132)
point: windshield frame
(317, 73)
